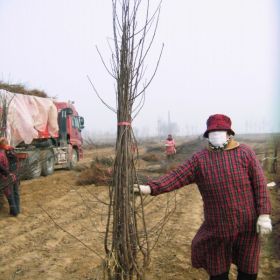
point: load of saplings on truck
(45, 132)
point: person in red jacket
(235, 198)
(8, 179)
(170, 148)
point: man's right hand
(264, 224)
(143, 189)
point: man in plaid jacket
(236, 202)
(8, 180)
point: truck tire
(47, 163)
(74, 159)
(36, 169)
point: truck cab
(70, 127)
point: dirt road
(59, 234)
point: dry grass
(151, 157)
(18, 88)
(99, 172)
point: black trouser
(12, 206)
(12, 194)
(223, 276)
(241, 276)
(16, 195)
(1, 198)
(246, 276)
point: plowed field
(59, 234)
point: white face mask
(218, 138)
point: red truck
(45, 133)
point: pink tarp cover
(27, 116)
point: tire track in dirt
(171, 258)
(32, 245)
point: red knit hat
(218, 122)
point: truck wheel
(74, 159)
(47, 163)
(36, 169)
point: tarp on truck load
(27, 116)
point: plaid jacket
(232, 186)
(4, 172)
(4, 165)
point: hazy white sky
(220, 56)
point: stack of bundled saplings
(126, 240)
(18, 88)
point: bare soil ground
(59, 234)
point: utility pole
(169, 123)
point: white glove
(264, 225)
(271, 185)
(143, 189)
